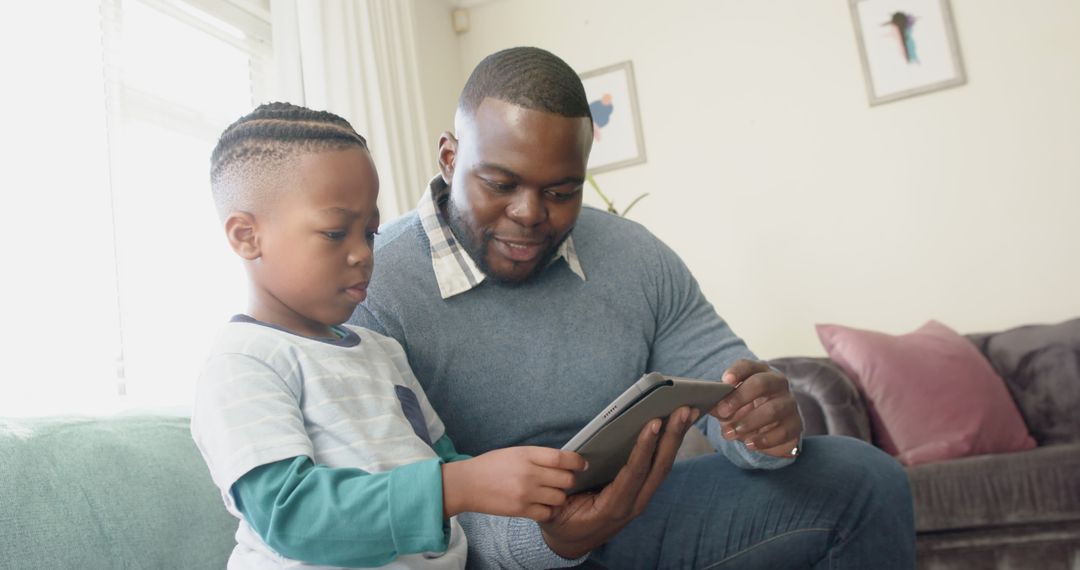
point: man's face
(316, 258)
(515, 179)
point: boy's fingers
(572, 461)
(550, 497)
(558, 459)
(557, 478)
(538, 513)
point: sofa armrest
(827, 398)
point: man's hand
(762, 413)
(515, 482)
(588, 520)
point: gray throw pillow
(1041, 367)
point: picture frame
(907, 47)
(617, 136)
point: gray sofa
(1003, 511)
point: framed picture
(617, 140)
(908, 47)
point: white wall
(439, 57)
(794, 202)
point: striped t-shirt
(266, 394)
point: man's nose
(527, 208)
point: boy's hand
(516, 481)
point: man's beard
(478, 249)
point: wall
(794, 202)
(439, 59)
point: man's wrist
(566, 549)
(531, 546)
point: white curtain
(356, 58)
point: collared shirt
(455, 270)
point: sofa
(1018, 510)
(131, 491)
(122, 492)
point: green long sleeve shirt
(346, 516)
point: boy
(315, 429)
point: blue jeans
(842, 504)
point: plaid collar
(455, 270)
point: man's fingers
(771, 411)
(728, 420)
(783, 449)
(741, 370)
(776, 434)
(623, 490)
(667, 449)
(775, 438)
(762, 385)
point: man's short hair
(528, 77)
(245, 165)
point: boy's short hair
(527, 77)
(245, 165)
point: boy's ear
(243, 235)
(447, 155)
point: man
(523, 314)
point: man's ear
(447, 156)
(243, 236)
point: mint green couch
(126, 492)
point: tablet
(607, 440)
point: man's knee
(857, 465)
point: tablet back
(609, 448)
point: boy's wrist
(455, 497)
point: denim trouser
(842, 504)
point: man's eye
(371, 235)
(335, 236)
(499, 186)
(565, 195)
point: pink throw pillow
(930, 393)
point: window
(121, 273)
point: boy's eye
(335, 236)
(371, 235)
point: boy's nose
(360, 254)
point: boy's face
(315, 242)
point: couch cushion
(123, 492)
(1045, 546)
(1041, 367)
(1036, 486)
(931, 395)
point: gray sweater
(531, 364)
